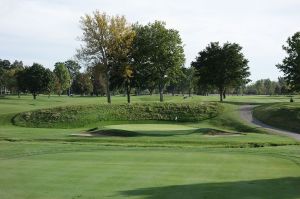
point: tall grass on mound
(281, 115)
(79, 116)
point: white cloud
(45, 31)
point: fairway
(219, 157)
(148, 173)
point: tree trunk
(107, 88)
(224, 94)
(128, 89)
(190, 92)
(34, 96)
(161, 94)
(221, 91)
(150, 92)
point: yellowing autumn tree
(107, 40)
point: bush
(79, 116)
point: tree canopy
(63, 77)
(35, 79)
(107, 41)
(222, 66)
(290, 65)
(158, 52)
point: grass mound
(281, 115)
(80, 116)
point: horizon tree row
(66, 78)
(120, 57)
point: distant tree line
(134, 59)
(268, 87)
(66, 78)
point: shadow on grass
(124, 133)
(281, 188)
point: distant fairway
(220, 157)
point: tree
(268, 87)
(98, 79)
(82, 84)
(189, 79)
(158, 51)
(284, 89)
(222, 66)
(51, 80)
(11, 80)
(107, 40)
(74, 69)
(34, 79)
(4, 68)
(290, 65)
(62, 76)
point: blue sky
(46, 32)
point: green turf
(216, 158)
(281, 115)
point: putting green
(151, 127)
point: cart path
(246, 115)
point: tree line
(268, 87)
(120, 57)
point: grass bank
(80, 116)
(281, 115)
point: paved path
(246, 114)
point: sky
(47, 31)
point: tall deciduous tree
(222, 66)
(34, 79)
(83, 84)
(74, 69)
(51, 80)
(62, 76)
(158, 51)
(4, 68)
(98, 79)
(107, 40)
(290, 65)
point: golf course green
(217, 155)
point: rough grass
(281, 115)
(80, 116)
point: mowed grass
(216, 158)
(69, 171)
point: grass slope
(80, 116)
(281, 115)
